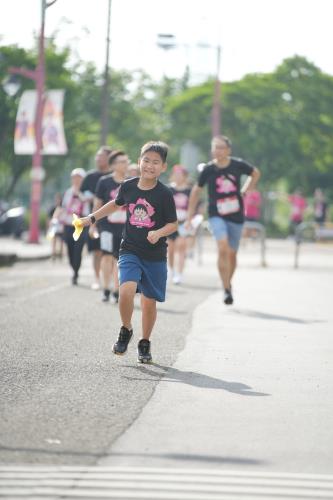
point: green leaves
(281, 121)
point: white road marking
(55, 482)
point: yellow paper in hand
(78, 227)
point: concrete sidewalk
(12, 250)
(252, 390)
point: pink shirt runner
(298, 206)
(252, 204)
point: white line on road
(157, 483)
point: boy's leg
(126, 302)
(148, 308)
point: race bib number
(228, 205)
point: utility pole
(106, 84)
(216, 109)
(37, 172)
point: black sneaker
(74, 279)
(125, 335)
(228, 298)
(144, 355)
(106, 295)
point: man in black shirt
(88, 188)
(222, 176)
(111, 227)
(151, 217)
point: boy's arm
(251, 181)
(105, 210)
(169, 228)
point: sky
(254, 35)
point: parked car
(11, 220)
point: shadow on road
(277, 317)
(194, 379)
(194, 458)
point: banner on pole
(53, 136)
(24, 137)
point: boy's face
(151, 165)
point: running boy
(223, 175)
(151, 217)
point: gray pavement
(252, 388)
(13, 249)
(237, 396)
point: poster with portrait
(24, 136)
(53, 136)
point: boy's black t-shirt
(225, 199)
(147, 210)
(106, 190)
(181, 197)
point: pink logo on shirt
(181, 200)
(141, 213)
(113, 193)
(226, 185)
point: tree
(280, 121)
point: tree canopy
(280, 121)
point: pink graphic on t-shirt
(75, 206)
(181, 200)
(141, 213)
(226, 184)
(113, 193)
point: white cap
(78, 171)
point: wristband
(92, 218)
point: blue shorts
(224, 229)
(150, 276)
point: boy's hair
(114, 155)
(158, 147)
(223, 138)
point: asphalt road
(65, 397)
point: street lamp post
(38, 75)
(106, 82)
